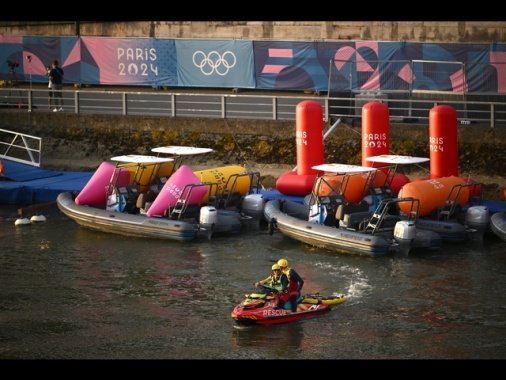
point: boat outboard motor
(404, 235)
(477, 220)
(208, 219)
(253, 206)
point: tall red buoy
(309, 136)
(310, 150)
(444, 158)
(375, 131)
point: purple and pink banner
(265, 65)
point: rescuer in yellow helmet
(274, 279)
(292, 290)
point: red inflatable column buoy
(309, 136)
(444, 158)
(375, 131)
(309, 142)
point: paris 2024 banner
(263, 65)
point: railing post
(76, 101)
(124, 102)
(29, 105)
(492, 115)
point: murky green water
(71, 293)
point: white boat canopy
(394, 159)
(343, 168)
(141, 159)
(181, 150)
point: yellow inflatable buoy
(224, 177)
(145, 175)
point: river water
(71, 293)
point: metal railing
(410, 107)
(20, 147)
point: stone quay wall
(404, 31)
(84, 141)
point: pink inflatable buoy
(94, 192)
(173, 190)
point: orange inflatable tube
(355, 188)
(433, 193)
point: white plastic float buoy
(38, 218)
(22, 221)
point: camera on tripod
(13, 64)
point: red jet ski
(262, 308)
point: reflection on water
(71, 293)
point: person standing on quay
(56, 78)
(50, 93)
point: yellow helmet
(275, 267)
(283, 263)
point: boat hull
(126, 224)
(498, 224)
(289, 223)
(290, 218)
(453, 232)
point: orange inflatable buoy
(354, 187)
(433, 193)
(1, 168)
(397, 181)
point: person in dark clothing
(56, 77)
(292, 289)
(50, 87)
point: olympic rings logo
(214, 62)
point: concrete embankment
(81, 142)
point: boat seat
(144, 200)
(141, 201)
(331, 204)
(357, 220)
(226, 200)
(160, 182)
(130, 194)
(389, 221)
(185, 211)
(350, 208)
